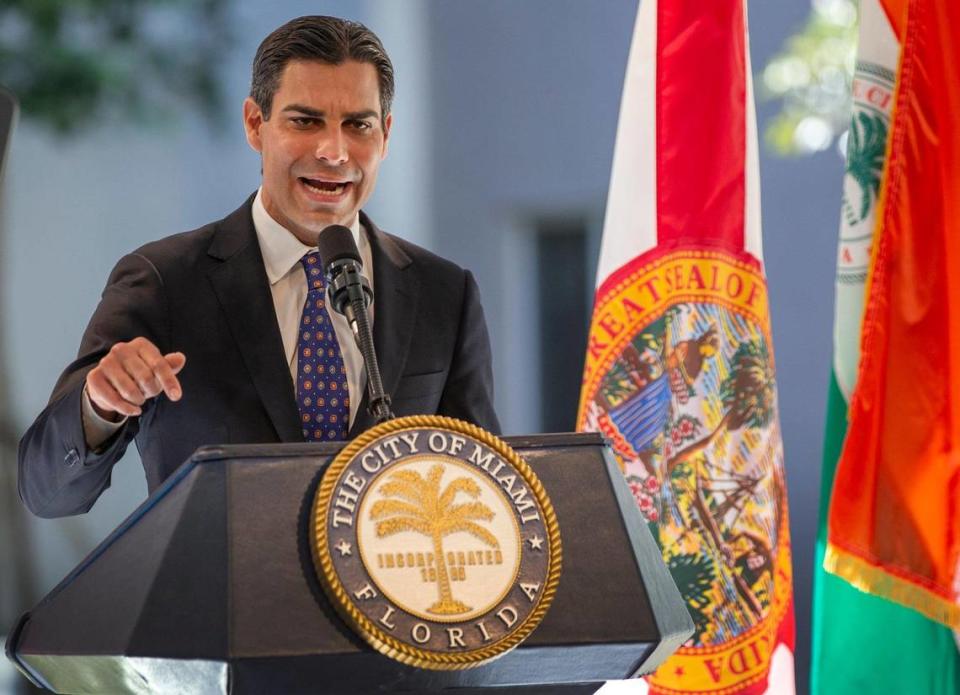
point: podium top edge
(296, 449)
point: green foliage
(694, 575)
(681, 471)
(73, 62)
(617, 385)
(811, 78)
(749, 393)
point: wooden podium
(209, 587)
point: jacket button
(72, 458)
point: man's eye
(303, 121)
(361, 125)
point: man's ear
(252, 122)
(387, 125)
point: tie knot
(313, 268)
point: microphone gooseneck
(351, 294)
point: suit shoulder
(203, 247)
(443, 279)
(179, 248)
(428, 259)
(168, 259)
(197, 249)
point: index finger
(161, 369)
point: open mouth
(326, 189)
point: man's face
(322, 145)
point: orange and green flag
(893, 521)
(896, 648)
(679, 371)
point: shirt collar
(281, 250)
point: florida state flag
(679, 370)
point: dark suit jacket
(205, 293)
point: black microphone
(351, 295)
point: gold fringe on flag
(875, 580)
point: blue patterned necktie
(322, 395)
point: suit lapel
(396, 294)
(240, 283)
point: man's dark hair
(326, 39)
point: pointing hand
(129, 375)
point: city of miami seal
(436, 542)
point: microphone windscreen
(335, 243)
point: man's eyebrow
(360, 115)
(305, 110)
(315, 113)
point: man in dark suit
(197, 338)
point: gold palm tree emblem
(423, 508)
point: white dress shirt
(281, 252)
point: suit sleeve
(58, 475)
(468, 393)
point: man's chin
(318, 221)
(322, 223)
(329, 213)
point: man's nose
(332, 146)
